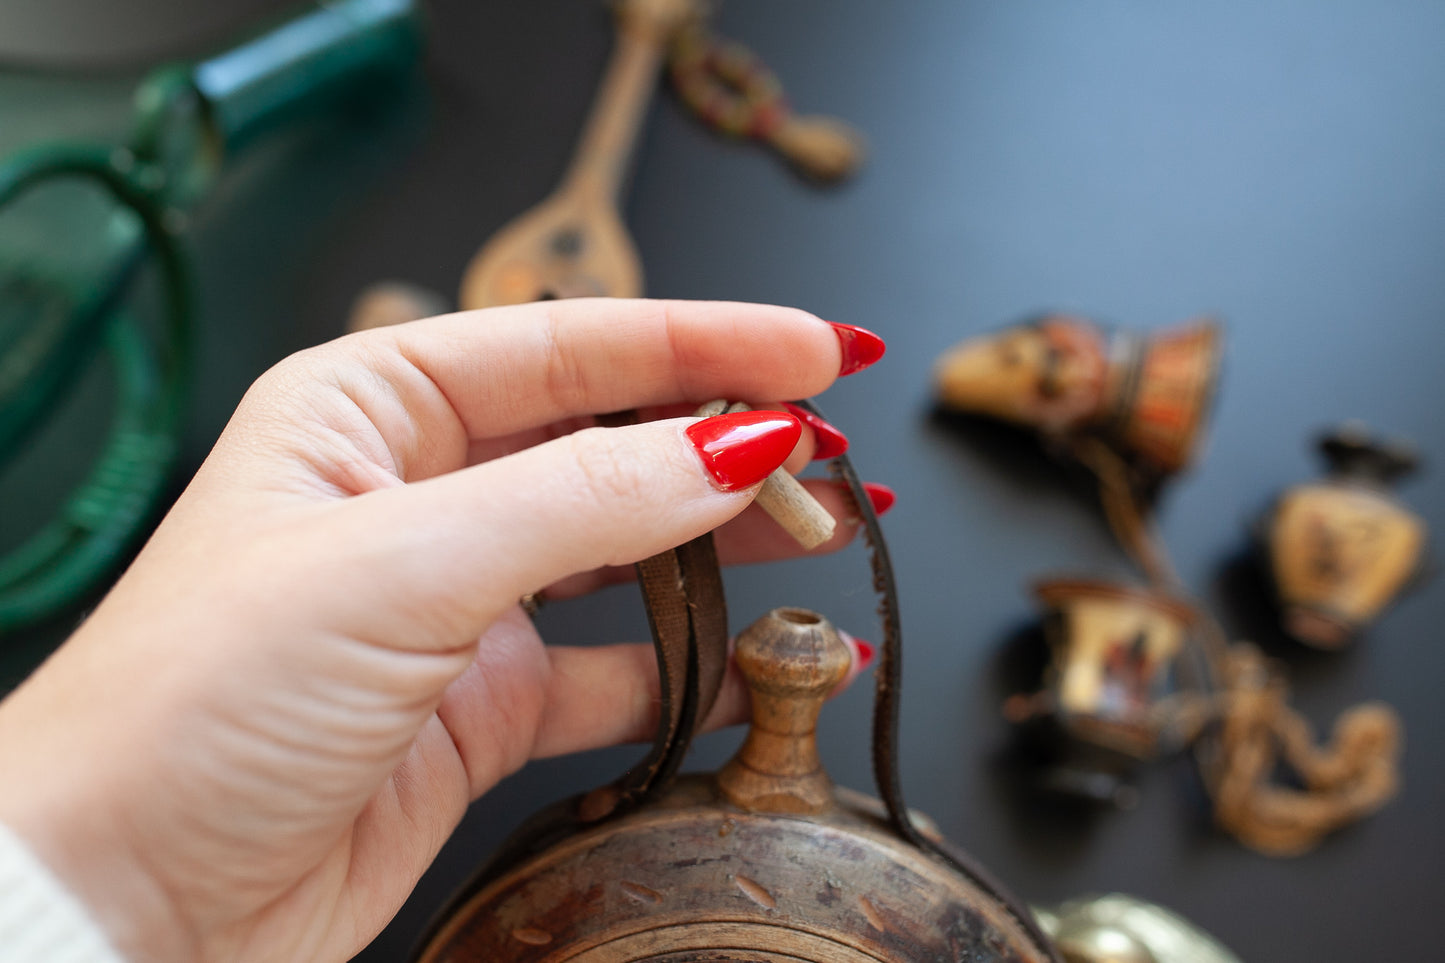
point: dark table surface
(1276, 164)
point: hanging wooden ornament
(574, 242)
(1130, 407)
(1106, 692)
(1146, 394)
(1342, 548)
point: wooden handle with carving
(791, 658)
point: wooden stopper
(784, 497)
(791, 658)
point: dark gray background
(1274, 163)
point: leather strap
(688, 616)
(887, 680)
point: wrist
(61, 800)
(39, 917)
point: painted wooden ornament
(1147, 395)
(766, 860)
(573, 243)
(1112, 652)
(1342, 548)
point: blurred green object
(61, 301)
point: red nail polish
(866, 652)
(881, 496)
(741, 449)
(861, 347)
(830, 441)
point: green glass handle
(250, 86)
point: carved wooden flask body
(764, 861)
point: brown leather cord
(888, 678)
(688, 616)
(683, 592)
(1124, 509)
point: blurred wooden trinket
(1112, 652)
(1342, 548)
(1146, 394)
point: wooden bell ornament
(1112, 652)
(1342, 548)
(765, 860)
(1129, 407)
(1147, 394)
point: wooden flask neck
(791, 659)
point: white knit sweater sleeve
(40, 921)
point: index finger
(508, 369)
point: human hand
(260, 739)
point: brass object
(1147, 395)
(1340, 549)
(1125, 929)
(765, 860)
(1112, 649)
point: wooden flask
(1340, 549)
(765, 860)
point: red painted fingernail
(866, 652)
(830, 442)
(861, 347)
(741, 449)
(881, 496)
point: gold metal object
(1124, 929)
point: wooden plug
(783, 496)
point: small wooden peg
(783, 496)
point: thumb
(440, 559)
